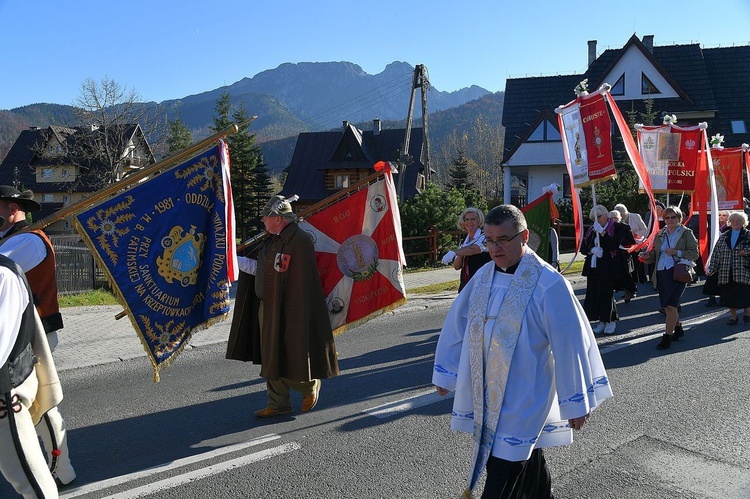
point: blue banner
(164, 246)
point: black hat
(23, 199)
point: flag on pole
(538, 215)
(587, 140)
(728, 162)
(670, 153)
(167, 247)
(359, 253)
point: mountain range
(301, 97)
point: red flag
(728, 171)
(587, 140)
(671, 156)
(359, 253)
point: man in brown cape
(284, 324)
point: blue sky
(168, 49)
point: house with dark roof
(62, 165)
(326, 162)
(696, 84)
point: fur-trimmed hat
(23, 199)
(279, 206)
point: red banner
(359, 254)
(587, 140)
(728, 171)
(670, 154)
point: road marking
(119, 480)
(170, 483)
(651, 332)
(407, 404)
(656, 330)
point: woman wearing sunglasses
(673, 244)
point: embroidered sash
(488, 390)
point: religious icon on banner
(588, 140)
(670, 154)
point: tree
(179, 136)
(431, 207)
(459, 172)
(111, 137)
(251, 187)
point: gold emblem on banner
(182, 256)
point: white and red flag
(671, 155)
(587, 140)
(359, 252)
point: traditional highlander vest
(43, 282)
(21, 360)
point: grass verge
(96, 297)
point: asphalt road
(675, 427)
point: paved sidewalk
(92, 336)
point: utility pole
(420, 80)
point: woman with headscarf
(602, 267)
(472, 254)
(673, 244)
(731, 262)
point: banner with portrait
(670, 154)
(728, 166)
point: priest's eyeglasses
(501, 241)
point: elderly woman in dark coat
(731, 262)
(602, 267)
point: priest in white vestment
(518, 351)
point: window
(342, 181)
(66, 199)
(46, 172)
(738, 126)
(619, 87)
(545, 132)
(65, 173)
(48, 197)
(648, 88)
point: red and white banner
(359, 252)
(572, 119)
(587, 141)
(670, 154)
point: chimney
(33, 128)
(376, 126)
(345, 124)
(592, 51)
(648, 42)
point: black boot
(678, 332)
(666, 342)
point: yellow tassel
(467, 494)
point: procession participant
(472, 253)
(673, 244)
(518, 350)
(295, 346)
(22, 460)
(33, 252)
